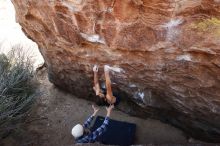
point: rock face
(167, 52)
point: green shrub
(17, 89)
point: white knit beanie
(77, 131)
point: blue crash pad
(118, 133)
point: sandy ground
(56, 112)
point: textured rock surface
(167, 50)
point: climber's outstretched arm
(96, 80)
(109, 95)
(96, 87)
(108, 82)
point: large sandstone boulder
(167, 53)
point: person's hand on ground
(95, 68)
(95, 109)
(109, 109)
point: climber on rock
(106, 96)
(82, 133)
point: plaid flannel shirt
(90, 138)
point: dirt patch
(56, 112)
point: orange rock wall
(168, 52)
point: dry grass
(17, 89)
